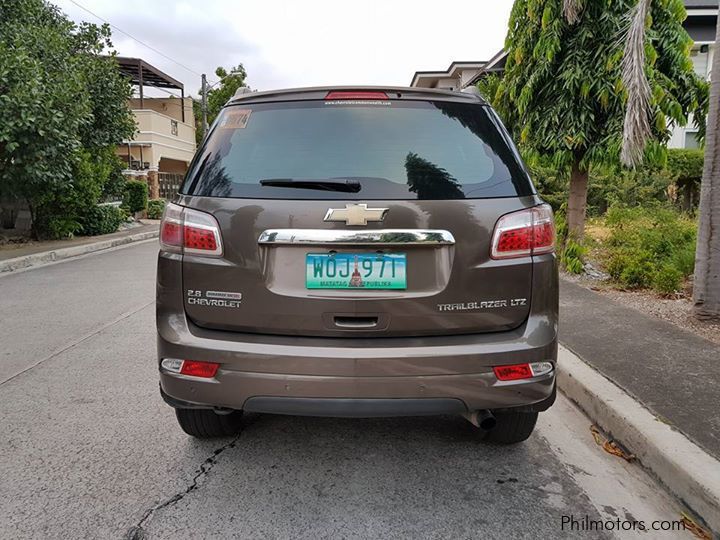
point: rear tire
(206, 424)
(512, 427)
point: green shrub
(552, 185)
(621, 187)
(650, 247)
(103, 219)
(571, 257)
(668, 279)
(686, 168)
(685, 163)
(135, 198)
(155, 208)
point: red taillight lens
(357, 95)
(199, 369)
(513, 373)
(201, 239)
(523, 233)
(171, 233)
(184, 230)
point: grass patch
(645, 247)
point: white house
(700, 24)
(457, 76)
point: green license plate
(355, 271)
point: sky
(284, 43)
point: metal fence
(169, 184)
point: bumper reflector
(522, 371)
(193, 368)
(514, 372)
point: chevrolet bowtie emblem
(356, 214)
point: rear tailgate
(451, 287)
(446, 166)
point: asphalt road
(89, 450)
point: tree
(706, 286)
(571, 88)
(63, 105)
(218, 96)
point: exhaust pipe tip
(486, 420)
(482, 419)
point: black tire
(206, 424)
(512, 427)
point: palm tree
(636, 128)
(706, 290)
(636, 133)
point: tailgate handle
(356, 322)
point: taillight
(527, 232)
(184, 230)
(357, 95)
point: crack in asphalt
(137, 532)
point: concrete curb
(686, 469)
(46, 257)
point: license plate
(355, 271)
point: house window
(691, 139)
(173, 127)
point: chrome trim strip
(379, 237)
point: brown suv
(358, 252)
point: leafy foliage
(571, 257)
(489, 86)
(155, 208)
(102, 219)
(135, 198)
(685, 164)
(62, 107)
(650, 247)
(218, 96)
(562, 93)
(612, 185)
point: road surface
(90, 450)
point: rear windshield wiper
(330, 184)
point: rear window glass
(392, 149)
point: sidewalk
(37, 253)
(674, 373)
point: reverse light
(356, 95)
(527, 232)
(522, 371)
(193, 368)
(184, 230)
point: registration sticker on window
(235, 119)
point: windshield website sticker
(385, 103)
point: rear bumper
(432, 396)
(358, 376)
